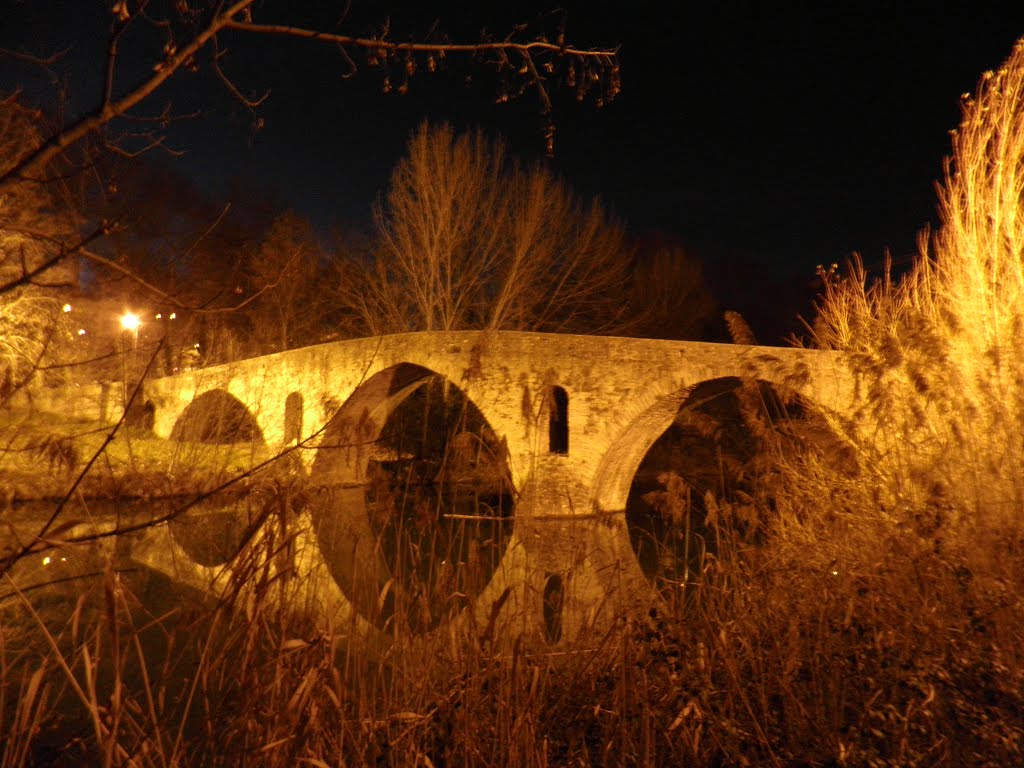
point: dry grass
(126, 461)
(871, 612)
(855, 649)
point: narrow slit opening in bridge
(553, 596)
(558, 421)
(293, 418)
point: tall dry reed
(862, 606)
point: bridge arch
(705, 438)
(216, 417)
(405, 449)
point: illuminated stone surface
(568, 521)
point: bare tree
(567, 262)
(33, 224)
(194, 34)
(284, 271)
(437, 236)
(470, 239)
(669, 297)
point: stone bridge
(570, 420)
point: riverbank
(44, 457)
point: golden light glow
(66, 307)
(130, 321)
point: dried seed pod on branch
(194, 35)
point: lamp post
(131, 322)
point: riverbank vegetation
(863, 605)
(42, 453)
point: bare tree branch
(381, 44)
(173, 300)
(28, 275)
(237, 16)
(31, 164)
(246, 101)
(39, 61)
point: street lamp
(130, 322)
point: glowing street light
(131, 322)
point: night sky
(766, 140)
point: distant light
(81, 331)
(46, 560)
(173, 315)
(66, 307)
(159, 315)
(196, 345)
(130, 321)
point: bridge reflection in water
(460, 477)
(417, 506)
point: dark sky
(767, 137)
